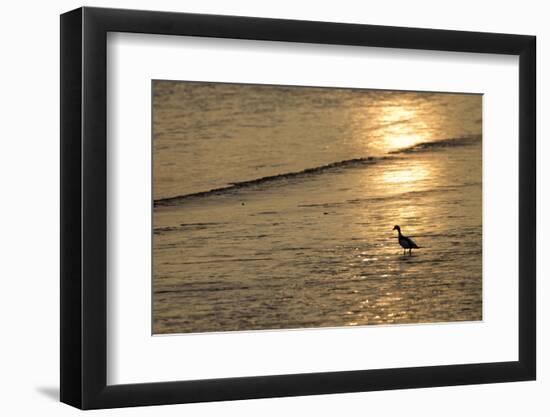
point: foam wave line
(439, 144)
(348, 163)
(272, 178)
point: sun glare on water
(399, 132)
(406, 174)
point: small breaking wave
(356, 162)
(439, 144)
(334, 166)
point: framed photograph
(259, 208)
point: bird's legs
(410, 251)
(404, 251)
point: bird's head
(396, 227)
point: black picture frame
(84, 207)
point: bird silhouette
(405, 242)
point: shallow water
(314, 248)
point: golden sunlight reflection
(379, 310)
(402, 141)
(406, 173)
(412, 175)
(401, 127)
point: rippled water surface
(274, 207)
